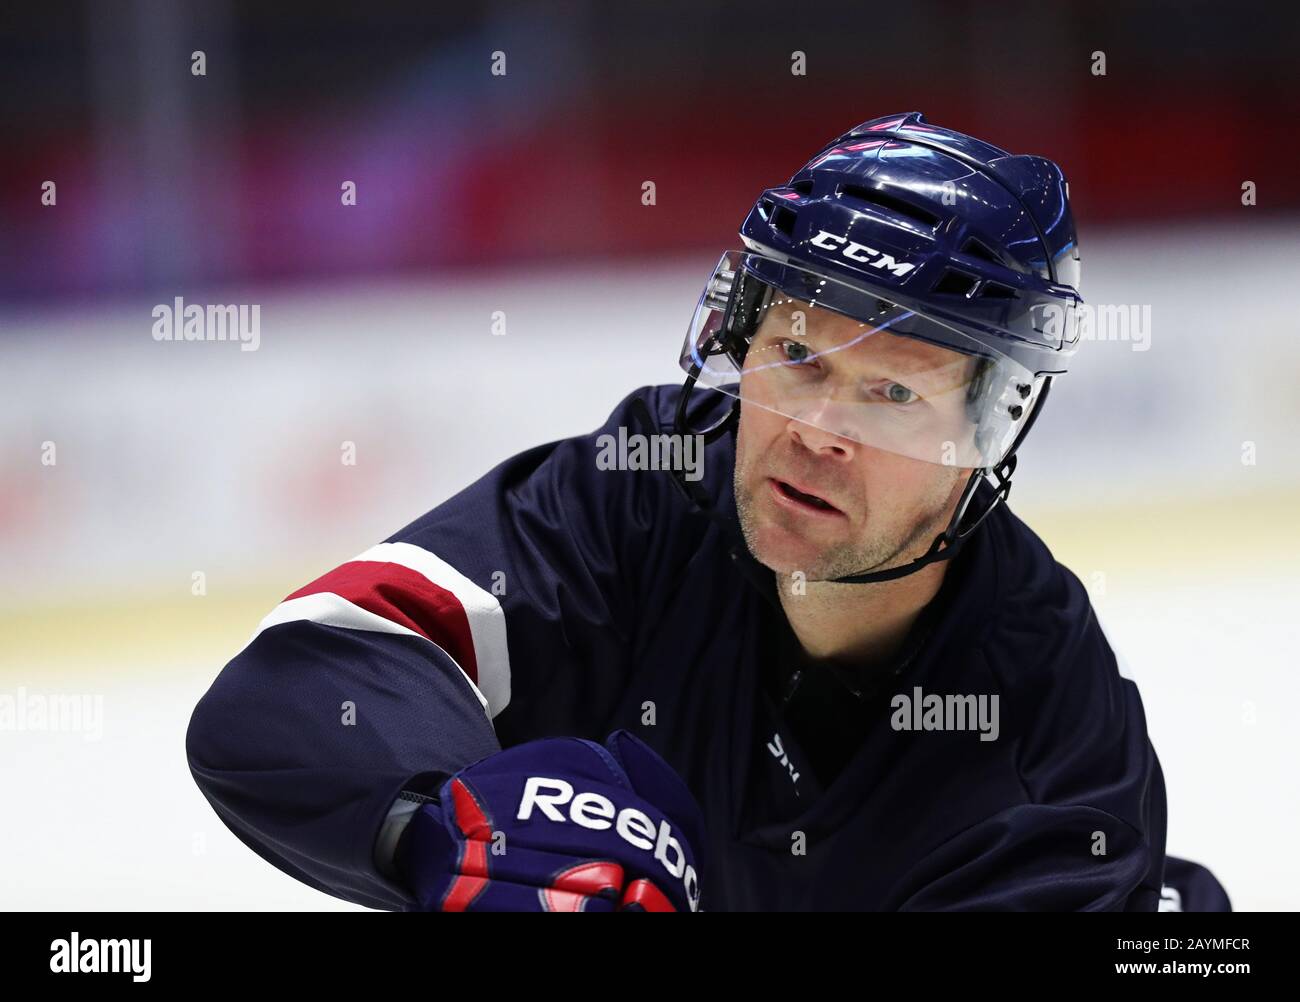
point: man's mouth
(802, 500)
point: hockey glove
(559, 824)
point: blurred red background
(235, 175)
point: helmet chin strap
(944, 547)
(947, 544)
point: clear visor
(848, 362)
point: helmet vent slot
(783, 218)
(878, 197)
(974, 248)
(955, 283)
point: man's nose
(824, 443)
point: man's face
(877, 508)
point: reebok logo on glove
(598, 813)
(590, 828)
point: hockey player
(828, 669)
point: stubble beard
(854, 556)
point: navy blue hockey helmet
(911, 288)
(922, 234)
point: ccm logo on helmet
(591, 810)
(861, 253)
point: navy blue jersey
(555, 597)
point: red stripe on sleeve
(405, 597)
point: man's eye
(900, 394)
(795, 352)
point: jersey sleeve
(502, 615)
